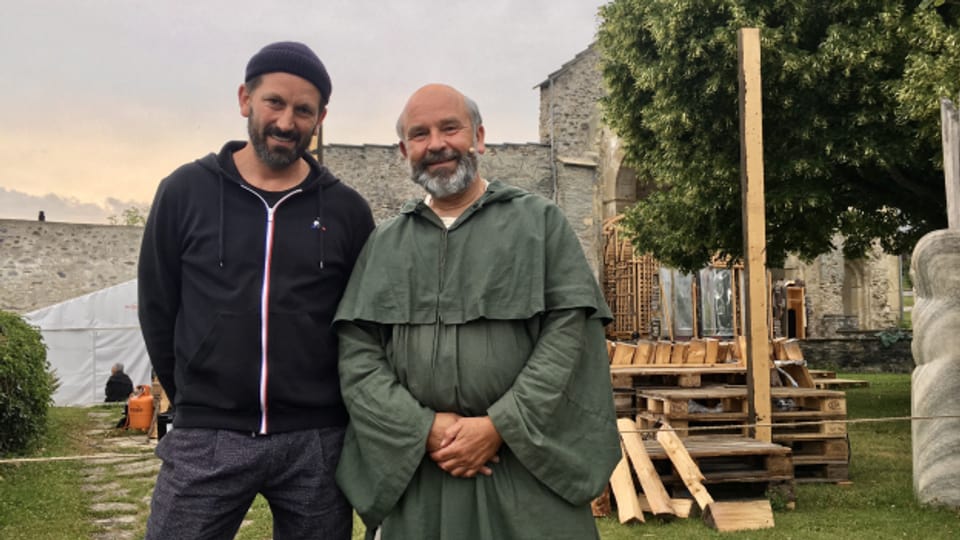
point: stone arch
(620, 186)
(855, 292)
(625, 188)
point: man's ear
(481, 148)
(403, 150)
(316, 128)
(243, 97)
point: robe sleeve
(558, 416)
(387, 435)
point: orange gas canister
(140, 409)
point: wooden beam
(950, 128)
(624, 491)
(685, 466)
(754, 232)
(656, 494)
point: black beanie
(291, 57)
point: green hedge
(26, 385)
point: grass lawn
(44, 501)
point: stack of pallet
(630, 285)
(710, 400)
(695, 352)
(668, 463)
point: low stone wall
(45, 262)
(861, 352)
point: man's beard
(441, 185)
(281, 157)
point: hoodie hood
(222, 164)
(225, 169)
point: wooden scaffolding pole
(754, 233)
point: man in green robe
(472, 354)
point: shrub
(890, 336)
(26, 385)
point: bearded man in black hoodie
(244, 259)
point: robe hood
(496, 273)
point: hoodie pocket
(224, 373)
(303, 361)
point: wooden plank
(682, 508)
(739, 516)
(711, 351)
(684, 465)
(754, 231)
(696, 352)
(778, 351)
(644, 353)
(621, 481)
(663, 352)
(738, 350)
(623, 354)
(678, 354)
(725, 352)
(792, 351)
(834, 383)
(657, 496)
(668, 369)
(722, 516)
(798, 373)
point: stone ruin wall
(569, 106)
(43, 263)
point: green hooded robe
(498, 315)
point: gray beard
(441, 186)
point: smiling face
(439, 140)
(283, 112)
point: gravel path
(117, 485)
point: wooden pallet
(816, 448)
(807, 473)
(823, 378)
(835, 383)
(733, 466)
(724, 410)
(686, 376)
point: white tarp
(86, 335)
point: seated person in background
(119, 385)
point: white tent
(86, 335)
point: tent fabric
(86, 335)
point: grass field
(44, 500)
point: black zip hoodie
(237, 294)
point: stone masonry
(43, 263)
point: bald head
(438, 97)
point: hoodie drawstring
(220, 229)
(318, 222)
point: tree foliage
(26, 384)
(132, 216)
(851, 121)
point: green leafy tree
(26, 385)
(851, 121)
(132, 216)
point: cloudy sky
(103, 98)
